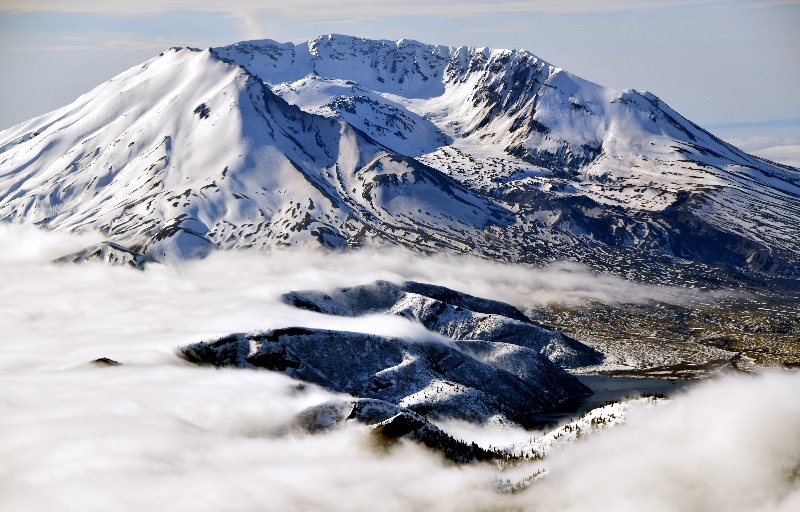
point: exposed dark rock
(104, 361)
(456, 315)
(108, 252)
(389, 423)
(429, 377)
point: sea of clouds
(777, 140)
(157, 433)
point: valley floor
(695, 340)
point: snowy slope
(384, 120)
(188, 152)
(108, 252)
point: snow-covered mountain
(342, 141)
(388, 423)
(188, 152)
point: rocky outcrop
(489, 330)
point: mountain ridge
(345, 153)
(342, 142)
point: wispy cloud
(511, 26)
(337, 21)
(766, 4)
(345, 8)
(72, 43)
(785, 151)
(777, 139)
(258, 18)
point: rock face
(488, 330)
(428, 377)
(108, 252)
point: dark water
(609, 389)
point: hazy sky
(716, 62)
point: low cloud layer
(785, 150)
(159, 434)
(732, 444)
(777, 140)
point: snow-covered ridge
(594, 421)
(187, 152)
(555, 132)
(510, 97)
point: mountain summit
(342, 142)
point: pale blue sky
(716, 62)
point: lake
(609, 389)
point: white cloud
(131, 44)
(777, 140)
(785, 151)
(788, 154)
(159, 434)
(732, 445)
(27, 245)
